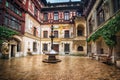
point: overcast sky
(60, 0)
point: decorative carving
(5, 48)
(81, 42)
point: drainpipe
(40, 40)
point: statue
(5, 50)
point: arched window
(80, 31)
(80, 48)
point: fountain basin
(51, 57)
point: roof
(61, 1)
(44, 1)
(63, 6)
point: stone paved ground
(71, 68)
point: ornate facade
(12, 16)
(31, 39)
(69, 27)
(103, 12)
(33, 20)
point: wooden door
(56, 47)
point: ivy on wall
(108, 32)
(6, 34)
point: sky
(52, 1)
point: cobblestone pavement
(71, 68)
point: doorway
(12, 50)
(56, 47)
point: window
(34, 31)
(45, 16)
(34, 46)
(6, 22)
(0, 1)
(66, 15)
(45, 34)
(100, 13)
(66, 47)
(100, 17)
(45, 47)
(7, 4)
(80, 48)
(55, 15)
(13, 8)
(116, 4)
(35, 11)
(90, 26)
(80, 31)
(12, 22)
(78, 13)
(66, 35)
(56, 34)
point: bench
(104, 58)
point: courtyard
(70, 68)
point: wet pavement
(71, 68)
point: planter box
(118, 63)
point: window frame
(45, 34)
(116, 5)
(34, 46)
(67, 47)
(34, 31)
(45, 47)
(66, 15)
(12, 22)
(56, 34)
(66, 34)
(45, 16)
(56, 16)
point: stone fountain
(51, 54)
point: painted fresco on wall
(61, 28)
(30, 28)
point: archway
(15, 45)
